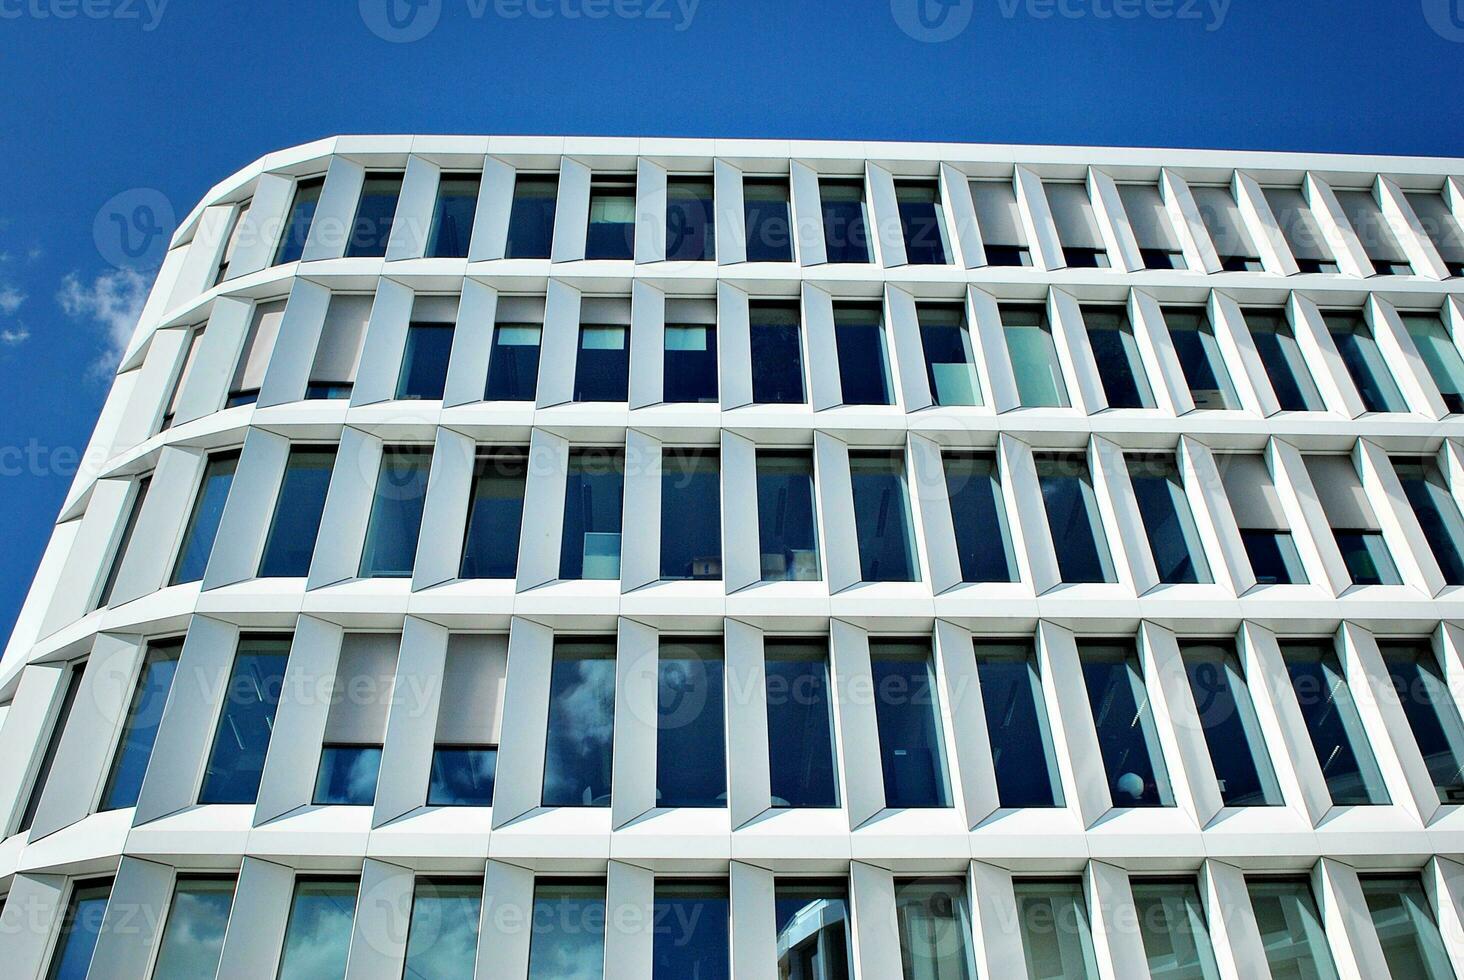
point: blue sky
(159, 99)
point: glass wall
(1432, 712)
(950, 362)
(1073, 520)
(424, 362)
(1364, 362)
(531, 216)
(691, 737)
(1022, 751)
(801, 763)
(912, 750)
(1437, 512)
(1200, 359)
(787, 516)
(864, 364)
(1285, 363)
(846, 233)
(1404, 919)
(777, 353)
(1174, 539)
(1128, 736)
(692, 931)
(390, 550)
(1116, 351)
(1440, 354)
(581, 724)
(375, 214)
(568, 932)
(318, 937)
(193, 939)
(1033, 356)
(691, 229)
(922, 222)
(81, 923)
(299, 219)
(611, 234)
(442, 935)
(979, 517)
(768, 218)
(812, 919)
(453, 215)
(593, 504)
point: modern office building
(548, 558)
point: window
(593, 501)
(1034, 357)
(296, 523)
(978, 513)
(691, 514)
(1364, 361)
(1404, 920)
(1128, 737)
(139, 497)
(71, 686)
(1354, 524)
(495, 515)
(355, 726)
(691, 742)
(442, 935)
(568, 930)
(1332, 721)
(1003, 233)
(1233, 243)
(513, 364)
(453, 215)
(922, 221)
(1149, 220)
(1432, 713)
(1022, 751)
(375, 215)
(812, 922)
(690, 365)
(424, 362)
(1072, 518)
(140, 730)
(934, 919)
(1285, 363)
(1437, 513)
(602, 369)
(777, 353)
(1441, 227)
(769, 219)
(193, 938)
(1056, 935)
(611, 233)
(1077, 226)
(845, 229)
(581, 723)
(203, 521)
(469, 721)
(864, 368)
(347, 775)
(950, 364)
(1116, 351)
(531, 216)
(259, 341)
(1199, 357)
(1374, 233)
(1439, 352)
(81, 924)
(185, 370)
(298, 221)
(390, 550)
(787, 516)
(236, 231)
(911, 747)
(691, 229)
(1261, 520)
(241, 740)
(1228, 718)
(318, 937)
(1174, 540)
(1308, 244)
(1291, 929)
(338, 355)
(882, 517)
(800, 724)
(692, 922)
(1172, 925)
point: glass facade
(299, 220)
(513, 365)
(318, 937)
(882, 517)
(787, 516)
(246, 722)
(140, 730)
(290, 545)
(922, 222)
(1199, 355)
(911, 745)
(375, 215)
(1364, 362)
(495, 515)
(424, 363)
(1022, 751)
(1033, 356)
(1073, 520)
(691, 738)
(442, 934)
(81, 924)
(1440, 355)
(1116, 351)
(979, 517)
(1056, 936)
(1291, 929)
(581, 724)
(347, 775)
(1407, 930)
(689, 370)
(812, 920)
(691, 228)
(611, 234)
(390, 550)
(777, 353)
(193, 939)
(1433, 714)
(691, 514)
(768, 219)
(1233, 733)
(203, 521)
(1172, 924)
(864, 364)
(1437, 511)
(1127, 734)
(1174, 539)
(934, 920)
(1284, 361)
(950, 364)
(602, 369)
(1332, 721)
(845, 228)
(568, 931)
(593, 503)
(453, 216)
(801, 765)
(693, 931)
(531, 216)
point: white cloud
(10, 299)
(114, 300)
(11, 336)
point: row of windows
(1319, 226)
(690, 925)
(1125, 344)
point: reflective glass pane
(912, 751)
(1364, 362)
(1124, 719)
(139, 496)
(1366, 555)
(1404, 920)
(593, 500)
(53, 742)
(602, 369)
(375, 215)
(800, 724)
(242, 739)
(1072, 518)
(1432, 712)
(424, 361)
(193, 939)
(347, 775)
(1437, 512)
(934, 921)
(690, 369)
(846, 236)
(692, 926)
(442, 937)
(462, 776)
(531, 217)
(691, 230)
(140, 731)
(1273, 557)
(203, 522)
(1056, 935)
(1333, 723)
(1120, 368)
(1172, 924)
(495, 516)
(691, 740)
(922, 222)
(691, 514)
(769, 219)
(297, 223)
(979, 516)
(318, 938)
(292, 532)
(452, 217)
(1199, 357)
(513, 365)
(581, 724)
(812, 919)
(777, 354)
(1437, 348)
(81, 923)
(1285, 364)
(390, 550)
(611, 233)
(882, 517)
(864, 368)
(1022, 752)
(1174, 540)
(1291, 930)
(568, 938)
(1232, 731)
(787, 516)
(950, 364)
(1033, 357)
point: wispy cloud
(11, 299)
(114, 301)
(13, 336)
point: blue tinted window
(1291, 929)
(593, 502)
(452, 217)
(531, 218)
(347, 775)
(193, 939)
(462, 776)
(692, 925)
(568, 929)
(1440, 355)
(296, 523)
(934, 919)
(242, 738)
(691, 231)
(1127, 736)
(611, 233)
(1172, 924)
(787, 516)
(1016, 725)
(139, 497)
(769, 219)
(691, 743)
(1072, 517)
(53, 742)
(912, 755)
(203, 522)
(1174, 540)
(1285, 364)
(602, 370)
(1232, 731)
(1403, 917)
(978, 513)
(922, 221)
(442, 937)
(81, 923)
(950, 365)
(846, 234)
(495, 516)
(777, 354)
(297, 224)
(1116, 352)
(1364, 362)
(1273, 557)
(1438, 515)
(812, 919)
(140, 731)
(1433, 714)
(581, 724)
(864, 370)
(396, 513)
(513, 366)
(1199, 357)
(424, 361)
(690, 366)
(375, 215)
(800, 724)
(1056, 936)
(318, 938)
(691, 514)
(1332, 721)
(1033, 357)
(882, 517)
(1366, 555)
